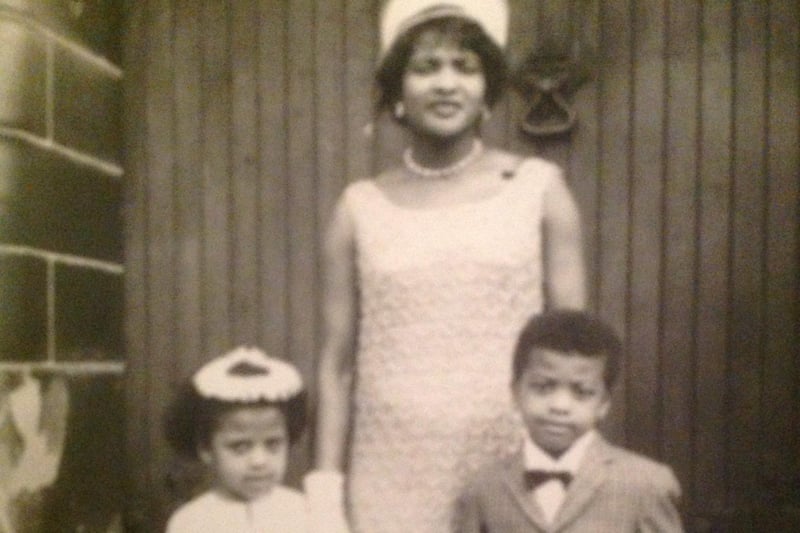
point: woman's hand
(325, 496)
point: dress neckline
(506, 178)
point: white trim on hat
(270, 379)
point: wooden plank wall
(245, 119)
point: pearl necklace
(444, 172)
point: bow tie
(534, 478)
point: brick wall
(61, 273)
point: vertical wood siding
(245, 120)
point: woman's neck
(434, 153)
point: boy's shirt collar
(537, 459)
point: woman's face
(443, 87)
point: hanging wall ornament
(547, 80)
(554, 69)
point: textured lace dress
(443, 293)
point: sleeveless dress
(444, 292)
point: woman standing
(430, 271)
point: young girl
(239, 414)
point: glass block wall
(61, 268)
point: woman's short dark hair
(389, 77)
(192, 419)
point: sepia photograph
(399, 266)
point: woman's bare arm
(336, 363)
(565, 270)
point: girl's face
(443, 87)
(248, 451)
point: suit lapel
(588, 479)
(514, 478)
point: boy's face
(561, 397)
(248, 451)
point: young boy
(567, 478)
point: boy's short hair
(571, 332)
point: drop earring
(486, 114)
(399, 110)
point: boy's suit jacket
(614, 491)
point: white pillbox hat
(398, 16)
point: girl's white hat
(398, 16)
(248, 375)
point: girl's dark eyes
(275, 444)
(542, 386)
(240, 446)
(469, 65)
(583, 392)
(422, 67)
